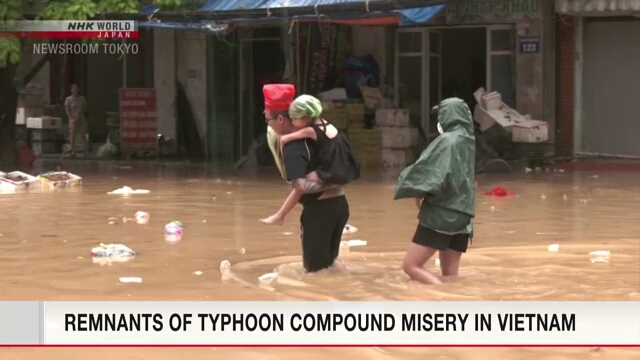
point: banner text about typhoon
(308, 322)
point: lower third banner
(315, 323)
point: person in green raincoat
(442, 182)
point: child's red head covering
(278, 97)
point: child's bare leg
(289, 204)
(275, 219)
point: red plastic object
(499, 191)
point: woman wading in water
(442, 182)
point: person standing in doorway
(442, 182)
(325, 208)
(76, 107)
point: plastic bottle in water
(142, 217)
(172, 232)
(225, 269)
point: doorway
(437, 63)
(263, 62)
(464, 57)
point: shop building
(599, 77)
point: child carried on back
(338, 164)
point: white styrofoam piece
(493, 101)
(29, 178)
(23, 113)
(44, 122)
(391, 158)
(20, 118)
(73, 180)
(395, 137)
(357, 242)
(392, 117)
(479, 95)
(530, 131)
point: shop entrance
(262, 62)
(436, 63)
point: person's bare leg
(450, 264)
(413, 264)
(85, 142)
(288, 205)
(72, 137)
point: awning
(196, 26)
(601, 7)
(407, 17)
(419, 16)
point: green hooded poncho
(444, 175)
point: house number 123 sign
(529, 44)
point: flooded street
(46, 239)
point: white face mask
(440, 129)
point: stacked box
(367, 144)
(397, 136)
(57, 179)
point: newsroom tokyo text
(46, 48)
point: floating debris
(128, 191)
(600, 256)
(225, 270)
(267, 279)
(354, 243)
(142, 217)
(349, 229)
(553, 248)
(197, 273)
(173, 231)
(113, 251)
(128, 280)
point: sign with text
(529, 44)
(138, 120)
(490, 11)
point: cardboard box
(44, 122)
(530, 131)
(57, 179)
(392, 117)
(25, 179)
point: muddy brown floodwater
(46, 240)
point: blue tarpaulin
(408, 17)
(419, 16)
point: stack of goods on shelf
(44, 134)
(31, 103)
(336, 114)
(397, 136)
(367, 144)
(355, 113)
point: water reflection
(46, 239)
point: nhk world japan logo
(73, 29)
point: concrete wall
(565, 85)
(191, 71)
(164, 55)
